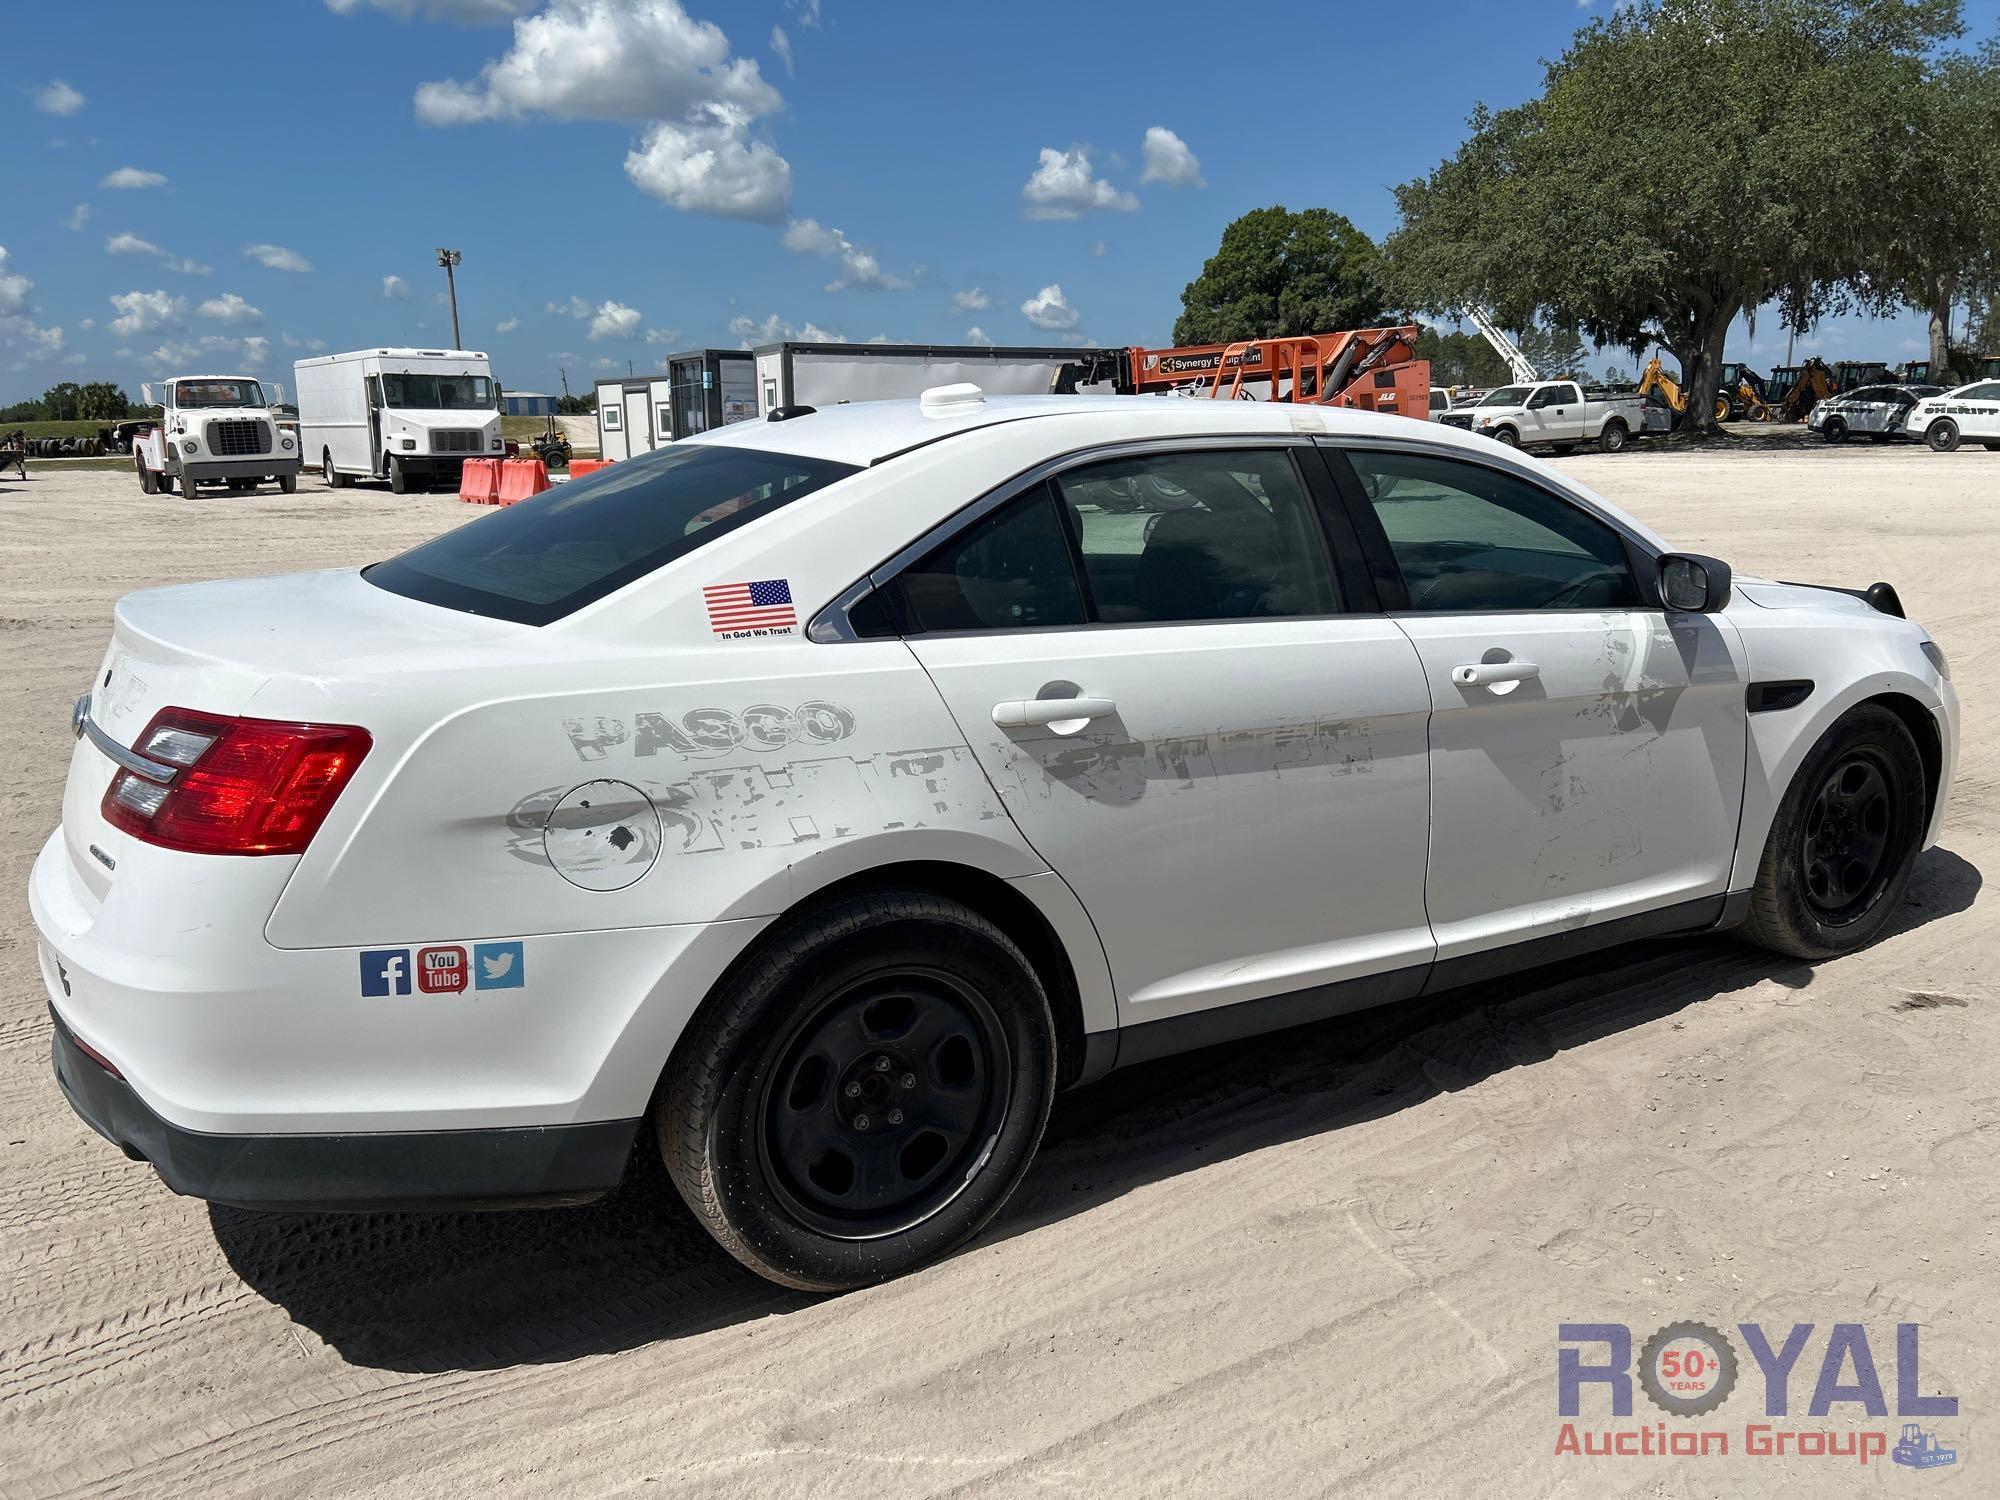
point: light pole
(448, 259)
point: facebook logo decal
(385, 971)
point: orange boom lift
(1372, 369)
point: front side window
(438, 392)
(1470, 538)
(1211, 534)
(541, 559)
(1549, 395)
(1507, 395)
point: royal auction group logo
(1688, 1370)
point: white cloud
(58, 98)
(1169, 161)
(13, 288)
(782, 45)
(395, 288)
(972, 300)
(76, 359)
(506, 325)
(215, 350)
(711, 165)
(133, 177)
(663, 335)
(807, 11)
(131, 244)
(774, 329)
(317, 346)
(1049, 309)
(277, 258)
(1099, 248)
(464, 12)
(614, 320)
(977, 335)
(141, 312)
(79, 217)
(858, 268)
(1065, 186)
(43, 343)
(230, 308)
(87, 324)
(604, 60)
(576, 307)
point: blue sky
(630, 177)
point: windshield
(1507, 395)
(192, 393)
(438, 392)
(541, 559)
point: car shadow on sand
(440, 1292)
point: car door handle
(1486, 673)
(1024, 713)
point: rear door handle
(1486, 673)
(1064, 715)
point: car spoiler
(1878, 596)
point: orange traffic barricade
(520, 478)
(479, 481)
(578, 467)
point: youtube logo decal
(442, 970)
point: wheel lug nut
(895, 1117)
(853, 1091)
(861, 1122)
(881, 1064)
(908, 1080)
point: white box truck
(410, 416)
(214, 429)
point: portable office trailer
(699, 389)
(527, 404)
(827, 374)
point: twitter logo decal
(497, 966)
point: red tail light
(239, 786)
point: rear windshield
(541, 559)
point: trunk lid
(214, 647)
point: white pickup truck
(1553, 413)
(214, 429)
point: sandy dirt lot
(1331, 1261)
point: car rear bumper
(524, 1166)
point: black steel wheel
(1848, 833)
(1834, 431)
(862, 1092)
(881, 1100)
(1844, 841)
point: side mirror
(1694, 584)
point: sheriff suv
(810, 800)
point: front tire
(1507, 437)
(1834, 431)
(1943, 435)
(863, 1093)
(288, 484)
(399, 482)
(1841, 849)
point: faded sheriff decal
(703, 733)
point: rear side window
(544, 558)
(1469, 538)
(1207, 535)
(1010, 571)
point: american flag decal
(764, 605)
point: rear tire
(863, 1093)
(1614, 437)
(1943, 435)
(1840, 851)
(149, 482)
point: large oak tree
(1687, 161)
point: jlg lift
(1372, 369)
